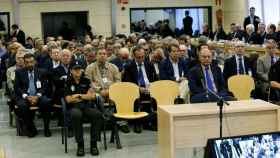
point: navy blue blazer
(196, 77)
(230, 67)
(131, 72)
(22, 82)
(166, 69)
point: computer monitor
(264, 145)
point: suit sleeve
(163, 72)
(260, 70)
(18, 90)
(226, 70)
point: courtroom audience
(42, 72)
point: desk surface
(190, 125)
(212, 108)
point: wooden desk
(190, 125)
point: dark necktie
(31, 88)
(241, 68)
(141, 81)
(209, 80)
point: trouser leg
(96, 119)
(77, 123)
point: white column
(16, 19)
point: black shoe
(137, 129)
(80, 150)
(48, 133)
(32, 132)
(124, 128)
(93, 149)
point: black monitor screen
(250, 146)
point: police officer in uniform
(82, 102)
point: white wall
(6, 6)
(123, 19)
(99, 14)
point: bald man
(122, 59)
(206, 76)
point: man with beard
(30, 90)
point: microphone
(212, 92)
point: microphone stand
(220, 104)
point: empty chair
(124, 94)
(165, 92)
(241, 86)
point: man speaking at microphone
(205, 78)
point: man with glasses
(238, 64)
(205, 77)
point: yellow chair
(241, 86)
(124, 94)
(164, 92)
(2, 153)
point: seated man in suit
(274, 79)
(175, 69)
(263, 65)
(238, 64)
(59, 76)
(122, 59)
(250, 35)
(82, 102)
(142, 73)
(261, 34)
(30, 89)
(206, 76)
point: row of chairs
(124, 94)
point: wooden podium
(190, 125)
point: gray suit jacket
(263, 66)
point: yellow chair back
(164, 91)
(241, 86)
(2, 153)
(124, 94)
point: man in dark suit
(188, 21)
(274, 79)
(261, 34)
(59, 75)
(18, 34)
(206, 76)
(251, 19)
(132, 74)
(238, 64)
(122, 59)
(30, 89)
(142, 73)
(173, 68)
(54, 60)
(250, 35)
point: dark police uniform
(91, 110)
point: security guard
(83, 103)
